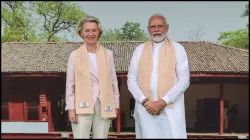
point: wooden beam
(120, 75)
(219, 75)
(221, 109)
(34, 75)
(206, 75)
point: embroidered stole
(166, 69)
(83, 85)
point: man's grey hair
(86, 19)
(157, 15)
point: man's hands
(155, 107)
(72, 116)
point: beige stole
(166, 69)
(83, 87)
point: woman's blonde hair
(89, 19)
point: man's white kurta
(171, 122)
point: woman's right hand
(72, 115)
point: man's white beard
(158, 39)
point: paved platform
(114, 135)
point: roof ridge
(210, 42)
(215, 43)
(231, 47)
(38, 42)
(67, 42)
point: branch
(58, 27)
(9, 3)
(59, 15)
(45, 20)
(50, 37)
(62, 28)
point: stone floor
(114, 135)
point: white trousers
(100, 127)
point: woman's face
(90, 33)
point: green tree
(246, 13)
(58, 16)
(38, 21)
(18, 25)
(110, 35)
(238, 39)
(131, 31)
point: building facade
(34, 76)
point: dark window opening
(4, 111)
(32, 109)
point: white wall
(24, 127)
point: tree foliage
(239, 38)
(38, 21)
(246, 13)
(18, 25)
(58, 16)
(110, 35)
(130, 31)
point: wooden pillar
(119, 122)
(9, 110)
(221, 109)
(25, 110)
(50, 121)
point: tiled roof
(204, 57)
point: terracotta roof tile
(204, 57)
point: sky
(182, 17)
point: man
(157, 78)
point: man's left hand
(159, 105)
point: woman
(92, 95)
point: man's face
(157, 29)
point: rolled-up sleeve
(70, 82)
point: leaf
(238, 39)
(50, 18)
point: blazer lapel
(93, 71)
